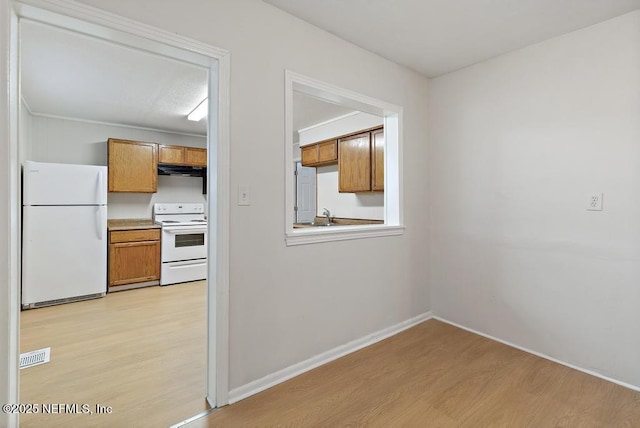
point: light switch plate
(244, 195)
(594, 203)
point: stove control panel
(186, 208)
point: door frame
(85, 19)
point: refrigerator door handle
(99, 187)
(99, 222)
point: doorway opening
(88, 24)
(306, 201)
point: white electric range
(184, 242)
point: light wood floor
(436, 375)
(142, 352)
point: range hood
(182, 170)
(185, 171)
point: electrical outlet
(594, 202)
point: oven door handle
(186, 265)
(175, 230)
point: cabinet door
(309, 155)
(328, 152)
(195, 157)
(170, 154)
(133, 166)
(377, 160)
(354, 163)
(131, 262)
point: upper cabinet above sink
(318, 154)
(360, 159)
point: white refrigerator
(64, 233)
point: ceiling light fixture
(200, 111)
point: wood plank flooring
(436, 375)
(142, 352)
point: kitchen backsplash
(170, 189)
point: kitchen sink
(308, 225)
(322, 224)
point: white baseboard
(541, 355)
(285, 374)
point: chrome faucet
(327, 214)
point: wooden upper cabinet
(360, 159)
(323, 153)
(132, 166)
(309, 155)
(377, 160)
(170, 154)
(196, 157)
(328, 151)
(354, 163)
(180, 155)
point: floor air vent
(35, 358)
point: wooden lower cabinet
(134, 257)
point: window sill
(313, 235)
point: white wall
(365, 205)
(297, 153)
(336, 128)
(76, 141)
(280, 314)
(81, 142)
(516, 144)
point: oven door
(184, 243)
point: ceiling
(65, 74)
(70, 75)
(74, 76)
(309, 111)
(434, 37)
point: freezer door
(63, 184)
(64, 252)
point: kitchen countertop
(131, 223)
